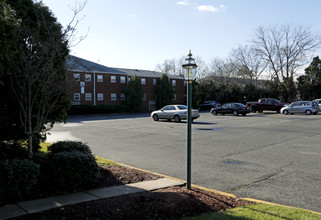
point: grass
(261, 211)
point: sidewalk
(28, 207)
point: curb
(216, 191)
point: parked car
(208, 105)
(232, 108)
(319, 103)
(266, 104)
(307, 107)
(176, 112)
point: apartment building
(94, 84)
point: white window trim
(122, 79)
(100, 79)
(100, 96)
(154, 82)
(88, 97)
(113, 96)
(173, 82)
(76, 77)
(143, 81)
(76, 96)
(87, 77)
(113, 79)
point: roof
(78, 64)
(81, 65)
(146, 73)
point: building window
(99, 78)
(88, 96)
(76, 96)
(113, 79)
(122, 96)
(174, 96)
(76, 77)
(87, 77)
(122, 79)
(173, 82)
(143, 81)
(113, 97)
(185, 83)
(154, 96)
(144, 97)
(154, 82)
(100, 96)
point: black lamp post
(189, 75)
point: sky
(139, 34)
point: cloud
(182, 3)
(210, 8)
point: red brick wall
(107, 88)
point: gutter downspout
(94, 88)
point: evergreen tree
(164, 92)
(309, 85)
(134, 93)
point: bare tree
(224, 69)
(285, 48)
(174, 67)
(251, 65)
(38, 73)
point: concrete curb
(216, 191)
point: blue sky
(140, 34)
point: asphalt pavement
(269, 156)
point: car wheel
(155, 117)
(177, 118)
(308, 112)
(243, 114)
(214, 112)
(235, 113)
(260, 111)
(278, 111)
(286, 112)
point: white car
(176, 112)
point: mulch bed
(170, 203)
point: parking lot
(269, 156)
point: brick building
(94, 84)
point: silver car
(307, 107)
(319, 102)
(176, 112)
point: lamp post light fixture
(189, 75)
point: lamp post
(189, 75)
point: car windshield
(182, 107)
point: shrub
(12, 150)
(17, 177)
(73, 170)
(68, 146)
